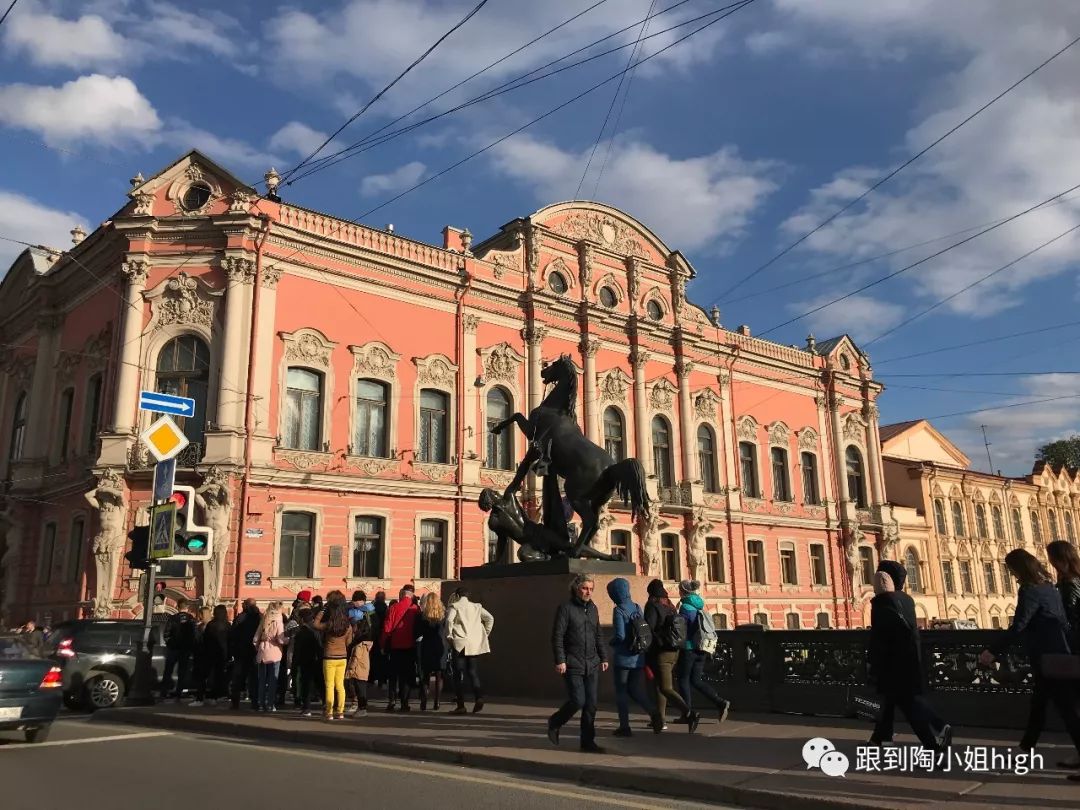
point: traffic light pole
(142, 681)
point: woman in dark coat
(430, 629)
(895, 658)
(380, 665)
(215, 654)
(1041, 626)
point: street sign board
(166, 403)
(164, 479)
(164, 439)
(253, 578)
(162, 531)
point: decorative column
(589, 347)
(135, 270)
(838, 449)
(534, 336)
(232, 380)
(873, 453)
(731, 442)
(690, 471)
(40, 415)
(475, 435)
(827, 461)
(641, 411)
(265, 432)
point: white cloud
(861, 316)
(400, 179)
(108, 110)
(29, 221)
(51, 41)
(227, 151)
(297, 137)
(766, 43)
(691, 203)
(185, 31)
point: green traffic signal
(190, 544)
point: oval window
(557, 283)
(608, 297)
(656, 312)
(196, 196)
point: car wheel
(104, 692)
(39, 734)
(73, 701)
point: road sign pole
(142, 681)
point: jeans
(178, 660)
(924, 720)
(580, 696)
(630, 683)
(691, 671)
(245, 676)
(467, 665)
(662, 665)
(357, 690)
(268, 681)
(1063, 695)
(403, 665)
(334, 673)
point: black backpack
(673, 632)
(639, 635)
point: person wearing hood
(628, 661)
(895, 658)
(692, 657)
(242, 651)
(663, 655)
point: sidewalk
(753, 761)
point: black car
(97, 658)
(30, 686)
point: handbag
(1060, 666)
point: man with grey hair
(580, 658)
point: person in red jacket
(399, 640)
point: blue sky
(730, 146)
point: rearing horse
(591, 476)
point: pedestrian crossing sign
(164, 439)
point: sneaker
(693, 719)
(622, 732)
(553, 735)
(272, 709)
(657, 724)
(724, 710)
(350, 708)
(592, 748)
(307, 714)
(339, 716)
(329, 718)
(360, 713)
(460, 709)
(391, 706)
(478, 707)
(196, 704)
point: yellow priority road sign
(164, 439)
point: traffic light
(139, 555)
(193, 542)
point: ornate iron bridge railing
(820, 672)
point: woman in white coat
(468, 626)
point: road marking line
(450, 774)
(111, 738)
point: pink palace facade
(345, 378)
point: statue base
(523, 598)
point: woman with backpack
(700, 644)
(631, 639)
(668, 635)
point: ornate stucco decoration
(373, 466)
(238, 202)
(435, 370)
(135, 270)
(747, 429)
(21, 369)
(501, 363)
(614, 385)
(309, 347)
(696, 548)
(97, 346)
(609, 280)
(66, 366)
(604, 231)
(436, 472)
(662, 395)
(854, 428)
(374, 359)
(215, 498)
(808, 439)
(144, 204)
(585, 263)
(108, 544)
(304, 460)
(469, 322)
(532, 253)
(779, 434)
(239, 269)
(559, 266)
(270, 277)
(185, 300)
(706, 404)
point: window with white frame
(755, 561)
(789, 570)
(614, 434)
(662, 460)
(706, 445)
(748, 469)
(818, 566)
(183, 370)
(303, 410)
(67, 402)
(45, 554)
(367, 546)
(372, 430)
(92, 413)
(18, 428)
(433, 543)
(500, 447)
(434, 427)
(296, 546)
(781, 487)
(75, 550)
(811, 494)
(714, 559)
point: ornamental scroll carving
(240, 270)
(662, 395)
(186, 300)
(604, 231)
(435, 370)
(436, 472)
(308, 346)
(144, 204)
(613, 386)
(238, 202)
(747, 429)
(854, 428)
(374, 359)
(585, 263)
(706, 404)
(304, 460)
(501, 362)
(559, 266)
(808, 439)
(779, 434)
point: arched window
(614, 436)
(999, 522)
(856, 480)
(1018, 526)
(18, 429)
(303, 410)
(67, 401)
(661, 442)
(1036, 527)
(371, 436)
(92, 414)
(706, 451)
(914, 575)
(1070, 532)
(939, 517)
(500, 448)
(434, 426)
(1052, 524)
(183, 370)
(980, 520)
(958, 519)
(762, 619)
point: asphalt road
(96, 766)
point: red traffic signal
(179, 498)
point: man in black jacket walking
(580, 658)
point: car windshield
(15, 647)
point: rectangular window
(492, 546)
(669, 556)
(995, 623)
(866, 565)
(297, 543)
(966, 584)
(939, 517)
(714, 559)
(811, 496)
(620, 543)
(989, 577)
(755, 560)
(45, 558)
(793, 621)
(303, 410)
(947, 576)
(1008, 584)
(762, 619)
(780, 489)
(720, 621)
(91, 418)
(434, 426)
(823, 621)
(432, 549)
(789, 572)
(818, 569)
(367, 547)
(75, 550)
(67, 399)
(371, 429)
(748, 467)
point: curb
(654, 782)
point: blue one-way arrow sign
(166, 403)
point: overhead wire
(981, 342)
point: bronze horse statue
(591, 476)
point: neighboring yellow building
(956, 524)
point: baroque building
(345, 380)
(957, 524)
